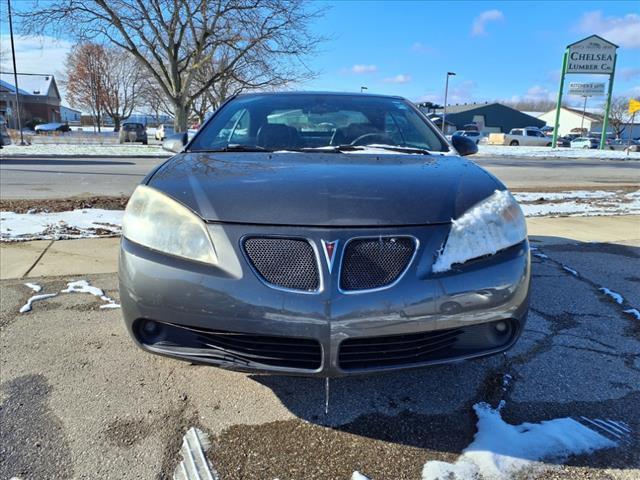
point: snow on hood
(485, 229)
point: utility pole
(444, 111)
(15, 74)
(584, 109)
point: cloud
(536, 93)
(419, 47)
(360, 69)
(481, 21)
(37, 55)
(623, 31)
(463, 92)
(398, 79)
(628, 73)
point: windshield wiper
(354, 148)
(399, 148)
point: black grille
(242, 349)
(284, 262)
(395, 350)
(370, 263)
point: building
(571, 118)
(489, 117)
(70, 115)
(38, 94)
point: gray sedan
(323, 234)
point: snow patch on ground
(614, 295)
(480, 232)
(27, 306)
(85, 223)
(579, 203)
(571, 271)
(33, 286)
(547, 152)
(85, 150)
(82, 286)
(634, 312)
(500, 450)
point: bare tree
(619, 115)
(84, 79)
(175, 39)
(123, 83)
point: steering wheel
(366, 138)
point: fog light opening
(150, 331)
(501, 328)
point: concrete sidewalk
(44, 258)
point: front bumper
(225, 316)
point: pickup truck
(520, 136)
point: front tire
(514, 143)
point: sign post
(634, 106)
(554, 141)
(591, 55)
(607, 109)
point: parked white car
(163, 131)
(585, 142)
(529, 137)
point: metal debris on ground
(194, 464)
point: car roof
(313, 93)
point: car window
(296, 121)
(517, 132)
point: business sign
(586, 89)
(591, 55)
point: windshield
(317, 121)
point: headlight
(492, 225)
(154, 220)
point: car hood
(324, 189)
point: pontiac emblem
(329, 249)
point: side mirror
(464, 145)
(175, 143)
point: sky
(498, 50)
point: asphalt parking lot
(80, 401)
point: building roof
(467, 106)
(29, 83)
(594, 117)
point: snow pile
(546, 152)
(492, 225)
(86, 223)
(85, 150)
(27, 306)
(500, 450)
(82, 286)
